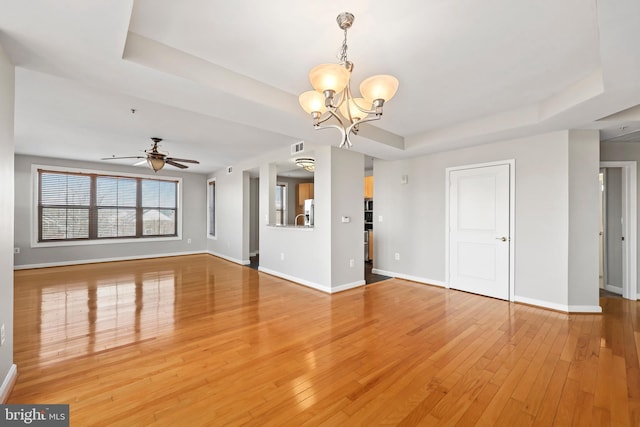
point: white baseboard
(347, 286)
(559, 307)
(97, 260)
(316, 286)
(614, 289)
(228, 258)
(7, 384)
(409, 277)
(295, 279)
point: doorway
(480, 232)
(253, 217)
(618, 219)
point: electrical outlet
(16, 250)
(352, 263)
(379, 218)
(188, 241)
(281, 256)
(397, 256)
(2, 335)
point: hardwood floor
(200, 341)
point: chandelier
(333, 99)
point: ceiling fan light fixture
(155, 163)
(306, 163)
(156, 159)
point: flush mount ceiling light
(332, 97)
(306, 163)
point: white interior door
(479, 240)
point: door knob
(503, 239)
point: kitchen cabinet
(304, 192)
(368, 187)
(370, 245)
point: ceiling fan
(156, 159)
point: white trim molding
(8, 383)
(228, 258)
(614, 289)
(559, 307)
(35, 183)
(98, 260)
(410, 277)
(512, 218)
(630, 258)
(316, 286)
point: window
(91, 206)
(211, 211)
(281, 204)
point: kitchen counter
(292, 227)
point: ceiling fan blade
(129, 157)
(141, 162)
(182, 160)
(172, 163)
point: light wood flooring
(196, 340)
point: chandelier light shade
(356, 109)
(306, 163)
(333, 100)
(332, 77)
(379, 87)
(312, 101)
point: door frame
(512, 205)
(630, 258)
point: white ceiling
(219, 80)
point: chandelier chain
(343, 50)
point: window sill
(103, 242)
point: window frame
(210, 235)
(285, 204)
(35, 188)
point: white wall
(7, 84)
(317, 257)
(347, 200)
(232, 216)
(584, 218)
(414, 215)
(254, 212)
(194, 204)
(622, 151)
(613, 226)
(303, 255)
